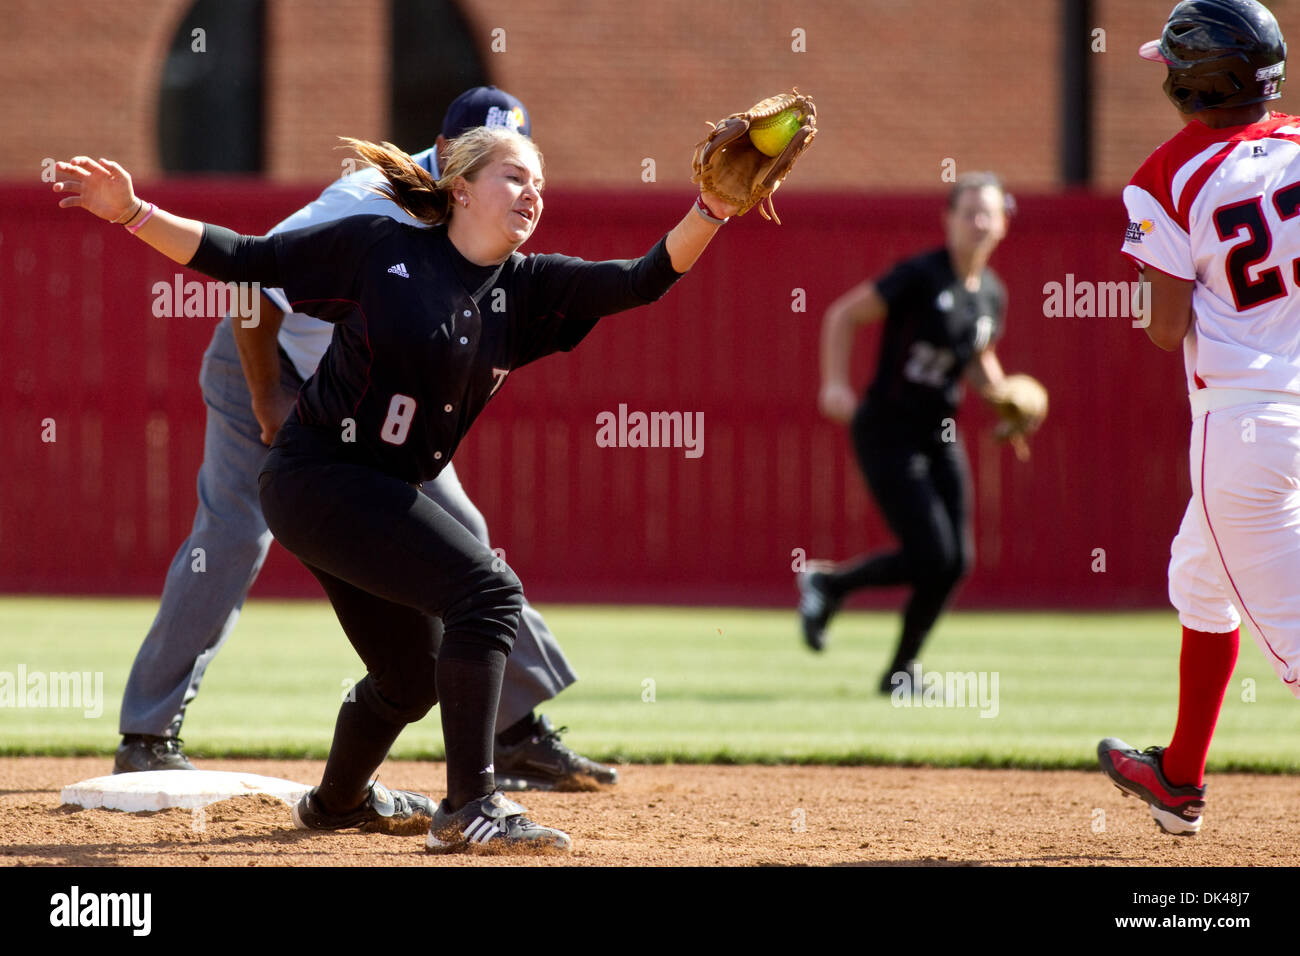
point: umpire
(942, 312)
(245, 407)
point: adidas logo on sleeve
(400, 270)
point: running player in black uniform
(942, 312)
(428, 324)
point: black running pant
(922, 486)
(410, 586)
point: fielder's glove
(1021, 403)
(731, 167)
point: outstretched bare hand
(103, 188)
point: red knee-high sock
(1204, 670)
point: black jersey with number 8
(423, 338)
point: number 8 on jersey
(401, 412)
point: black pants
(409, 583)
(922, 485)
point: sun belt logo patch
(512, 119)
(1136, 230)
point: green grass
(729, 685)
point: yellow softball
(772, 135)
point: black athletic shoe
(491, 823)
(816, 607)
(139, 753)
(541, 762)
(902, 677)
(398, 812)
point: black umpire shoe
(138, 753)
(816, 607)
(397, 812)
(541, 762)
(489, 824)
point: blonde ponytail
(409, 185)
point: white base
(160, 789)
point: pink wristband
(136, 228)
(702, 208)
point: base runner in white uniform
(1214, 227)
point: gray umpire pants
(200, 607)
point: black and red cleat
(1177, 810)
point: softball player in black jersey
(428, 324)
(942, 311)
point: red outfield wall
(103, 507)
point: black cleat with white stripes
(491, 823)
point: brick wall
(327, 76)
(901, 84)
(83, 80)
(895, 97)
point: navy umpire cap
(485, 106)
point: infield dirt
(684, 815)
